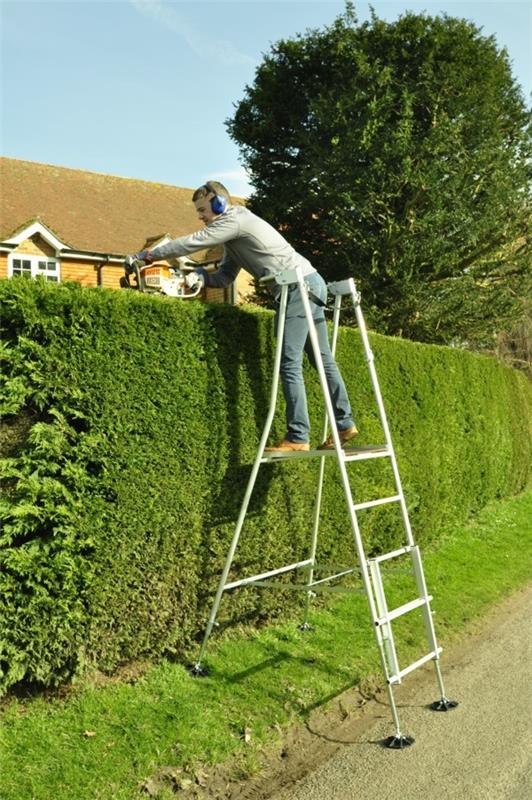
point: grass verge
(107, 739)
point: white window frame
(50, 272)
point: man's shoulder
(239, 211)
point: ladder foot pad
(443, 705)
(398, 742)
(198, 670)
(306, 627)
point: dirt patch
(298, 750)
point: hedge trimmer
(160, 278)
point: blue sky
(142, 88)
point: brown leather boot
(345, 436)
(285, 446)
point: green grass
(104, 738)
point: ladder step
(392, 554)
(365, 453)
(404, 609)
(372, 503)
(419, 663)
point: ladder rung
(270, 574)
(391, 554)
(380, 502)
(419, 663)
(404, 609)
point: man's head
(211, 200)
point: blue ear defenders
(218, 202)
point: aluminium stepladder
(370, 568)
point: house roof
(92, 211)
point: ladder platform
(350, 453)
(404, 609)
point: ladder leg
(399, 741)
(197, 668)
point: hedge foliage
(129, 426)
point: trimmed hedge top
(129, 426)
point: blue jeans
(297, 341)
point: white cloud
(199, 43)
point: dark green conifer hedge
(129, 426)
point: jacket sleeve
(224, 275)
(221, 230)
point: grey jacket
(249, 243)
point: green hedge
(129, 426)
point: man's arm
(221, 230)
(224, 275)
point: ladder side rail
(347, 492)
(382, 413)
(253, 475)
(429, 627)
(444, 703)
(422, 589)
(338, 447)
(319, 491)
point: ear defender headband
(218, 202)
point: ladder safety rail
(368, 570)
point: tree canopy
(398, 153)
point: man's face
(204, 210)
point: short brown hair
(210, 187)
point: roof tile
(92, 211)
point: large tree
(398, 153)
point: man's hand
(145, 257)
(194, 280)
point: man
(252, 244)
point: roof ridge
(93, 172)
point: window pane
(22, 267)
